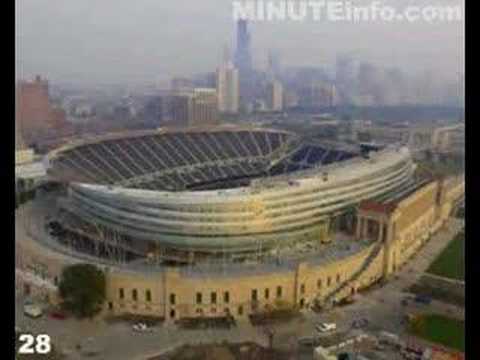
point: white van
(33, 311)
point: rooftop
(389, 205)
(30, 170)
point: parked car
(33, 311)
(422, 299)
(360, 323)
(141, 327)
(59, 315)
(326, 327)
(27, 301)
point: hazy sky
(135, 41)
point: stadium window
(226, 297)
(279, 291)
(329, 281)
(121, 293)
(319, 283)
(254, 295)
(213, 297)
(199, 298)
(267, 293)
(134, 294)
(172, 313)
(302, 289)
(110, 306)
(172, 299)
(240, 310)
(148, 295)
(338, 278)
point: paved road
(382, 306)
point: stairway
(345, 289)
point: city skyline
(92, 48)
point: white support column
(358, 233)
(380, 230)
(365, 228)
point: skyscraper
(196, 108)
(346, 69)
(19, 141)
(37, 118)
(273, 64)
(243, 62)
(180, 109)
(153, 110)
(227, 87)
(275, 96)
(204, 107)
(180, 85)
(243, 59)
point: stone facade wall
(174, 295)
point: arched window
(319, 283)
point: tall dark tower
(243, 62)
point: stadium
(227, 221)
(229, 193)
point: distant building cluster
(365, 84)
(237, 88)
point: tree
(82, 289)
(417, 324)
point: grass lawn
(451, 262)
(441, 330)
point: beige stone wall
(416, 210)
(414, 220)
(23, 156)
(452, 190)
(297, 287)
